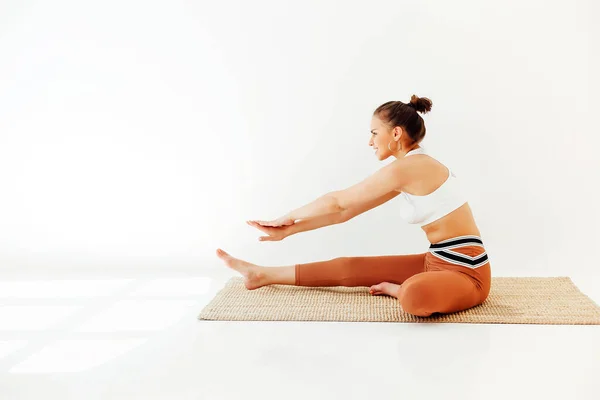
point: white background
(136, 137)
(143, 134)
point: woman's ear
(397, 132)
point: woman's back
(434, 199)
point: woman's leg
(457, 277)
(256, 276)
(341, 271)
(360, 271)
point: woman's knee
(415, 299)
(423, 297)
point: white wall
(144, 133)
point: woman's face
(381, 136)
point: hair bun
(420, 104)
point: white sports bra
(424, 210)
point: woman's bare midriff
(459, 222)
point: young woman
(453, 275)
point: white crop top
(424, 210)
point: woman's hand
(274, 233)
(283, 221)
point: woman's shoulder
(421, 160)
(423, 167)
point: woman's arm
(310, 224)
(389, 178)
(322, 207)
(339, 217)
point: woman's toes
(390, 289)
(222, 253)
(375, 289)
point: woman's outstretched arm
(322, 207)
(388, 179)
(321, 221)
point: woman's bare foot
(253, 274)
(391, 289)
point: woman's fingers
(273, 233)
(257, 225)
(264, 229)
(265, 223)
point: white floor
(135, 335)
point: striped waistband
(443, 251)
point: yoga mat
(512, 300)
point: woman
(453, 275)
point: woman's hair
(397, 113)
